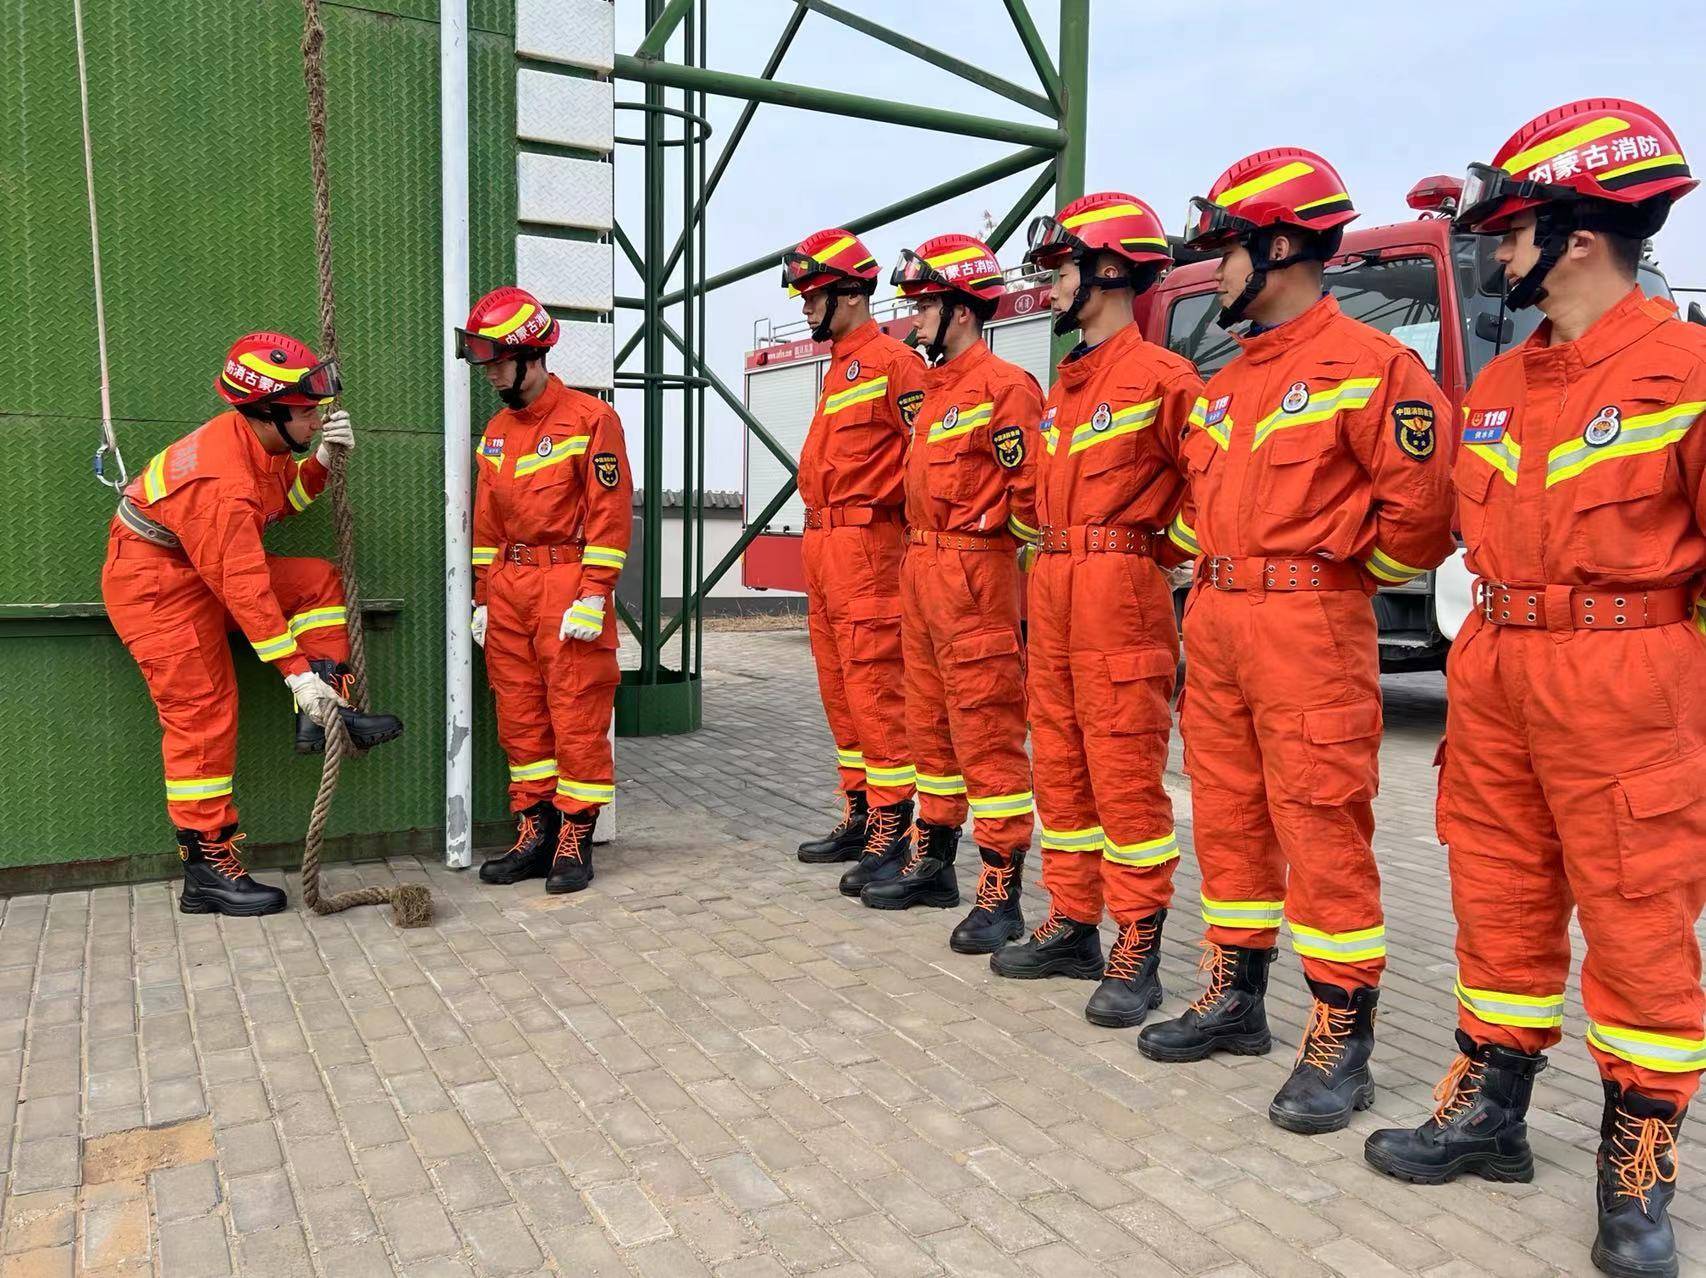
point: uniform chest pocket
(1297, 470)
(951, 467)
(1473, 479)
(851, 434)
(1199, 453)
(1617, 507)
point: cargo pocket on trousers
(1661, 826)
(173, 664)
(985, 669)
(874, 630)
(1342, 753)
(1440, 808)
(1140, 685)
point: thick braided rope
(411, 904)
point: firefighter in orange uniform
(1103, 644)
(970, 504)
(1574, 764)
(185, 566)
(850, 477)
(1316, 472)
(553, 513)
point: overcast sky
(1387, 92)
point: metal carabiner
(100, 468)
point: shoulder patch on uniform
(606, 469)
(908, 403)
(1009, 444)
(1413, 426)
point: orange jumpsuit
(1575, 756)
(1103, 645)
(850, 476)
(553, 515)
(213, 493)
(1316, 471)
(970, 502)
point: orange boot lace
(1129, 950)
(1047, 929)
(993, 883)
(528, 831)
(916, 854)
(568, 842)
(222, 856)
(1217, 962)
(880, 828)
(847, 819)
(1325, 1036)
(1645, 1155)
(1456, 1092)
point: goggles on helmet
(1485, 188)
(1208, 225)
(477, 349)
(798, 267)
(913, 270)
(320, 382)
(1050, 241)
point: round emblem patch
(545, 447)
(1295, 398)
(1605, 427)
(1102, 418)
(950, 417)
(853, 371)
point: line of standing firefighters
(1313, 467)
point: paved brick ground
(712, 1063)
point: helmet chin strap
(1552, 236)
(1260, 246)
(938, 345)
(821, 331)
(511, 395)
(279, 417)
(1070, 319)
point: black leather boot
(927, 878)
(215, 881)
(846, 840)
(1637, 1179)
(1060, 947)
(995, 919)
(888, 843)
(1479, 1124)
(571, 864)
(535, 841)
(1331, 1079)
(365, 730)
(1131, 982)
(1229, 1017)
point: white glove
(336, 432)
(585, 620)
(315, 697)
(477, 623)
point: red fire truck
(1438, 292)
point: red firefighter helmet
(828, 257)
(274, 368)
(503, 323)
(950, 264)
(1286, 186)
(1607, 149)
(1104, 222)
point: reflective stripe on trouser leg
(1137, 877)
(1338, 947)
(1662, 1052)
(1250, 916)
(1525, 1011)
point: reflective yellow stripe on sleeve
(483, 556)
(1183, 536)
(1388, 569)
(1023, 531)
(604, 556)
(276, 648)
(298, 495)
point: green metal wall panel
(201, 167)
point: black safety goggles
(1209, 226)
(1486, 188)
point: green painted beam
(658, 37)
(736, 134)
(935, 57)
(1026, 202)
(1075, 94)
(728, 561)
(1008, 165)
(728, 397)
(1035, 49)
(810, 98)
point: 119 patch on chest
(1413, 426)
(605, 469)
(1009, 444)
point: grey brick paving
(712, 1062)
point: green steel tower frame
(657, 698)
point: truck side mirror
(1493, 328)
(1695, 314)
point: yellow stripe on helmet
(1540, 152)
(1265, 182)
(521, 316)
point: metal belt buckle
(1214, 569)
(1484, 589)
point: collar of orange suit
(1633, 317)
(1273, 342)
(542, 407)
(967, 361)
(1110, 350)
(856, 340)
